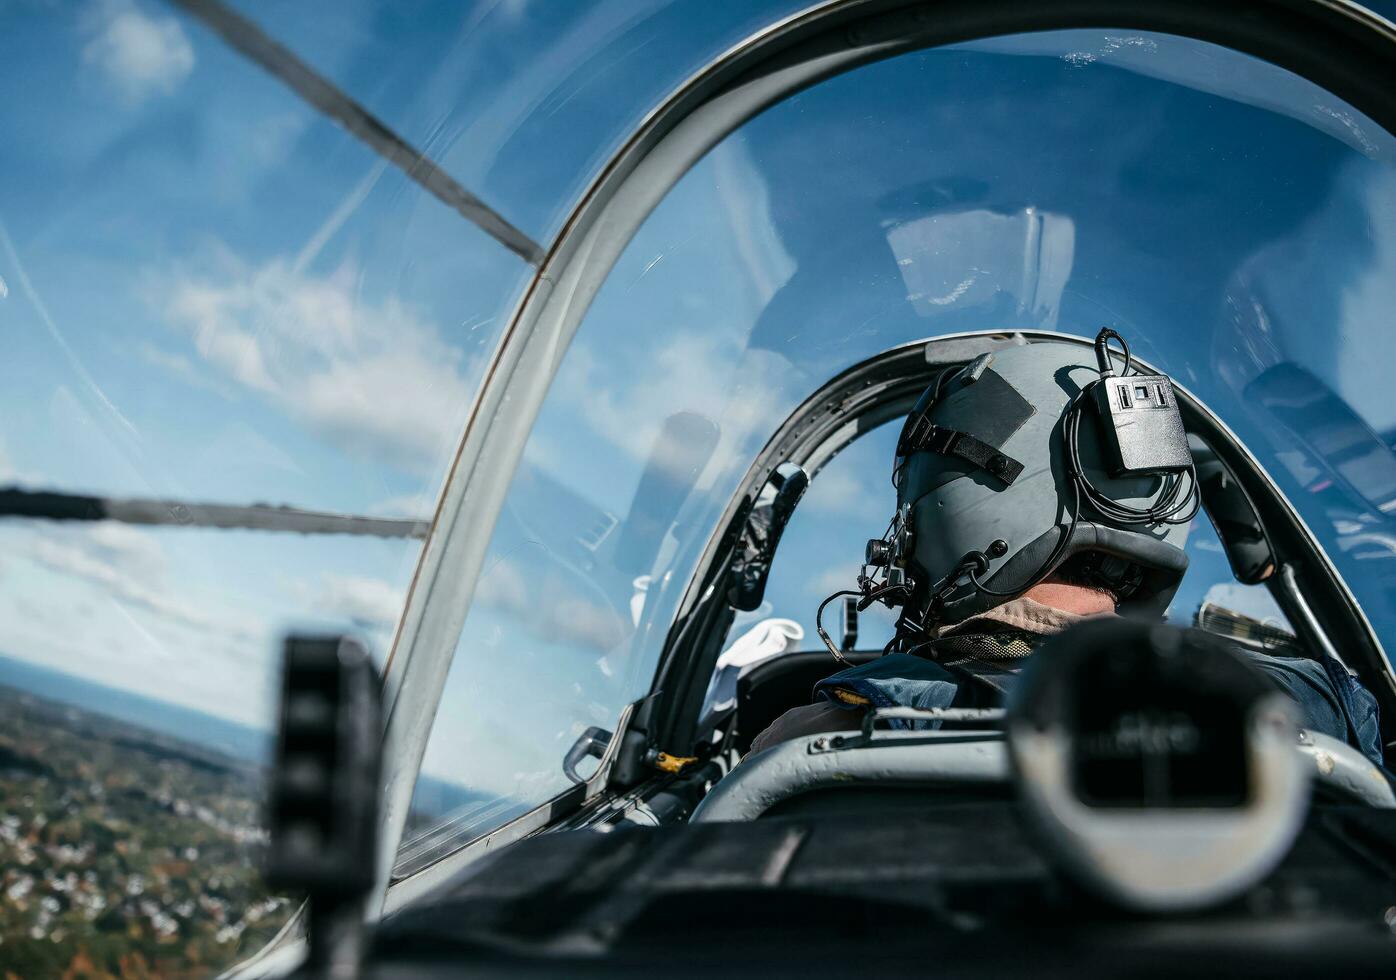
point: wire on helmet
(1166, 509)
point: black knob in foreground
(324, 793)
(1159, 768)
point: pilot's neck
(1035, 613)
(1079, 600)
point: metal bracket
(870, 735)
(751, 564)
(591, 742)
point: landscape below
(124, 851)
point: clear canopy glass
(522, 102)
(210, 292)
(1231, 219)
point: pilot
(1017, 517)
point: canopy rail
(56, 506)
(249, 40)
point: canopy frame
(1336, 44)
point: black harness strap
(922, 436)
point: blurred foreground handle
(324, 793)
(1156, 764)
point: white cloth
(767, 639)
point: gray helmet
(988, 503)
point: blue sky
(209, 292)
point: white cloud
(370, 603)
(975, 257)
(130, 568)
(139, 55)
(842, 492)
(1321, 272)
(416, 505)
(124, 548)
(372, 378)
(1368, 299)
(698, 372)
(550, 607)
(106, 602)
(523, 599)
(832, 580)
(745, 197)
(182, 367)
(8, 472)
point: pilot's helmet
(984, 477)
